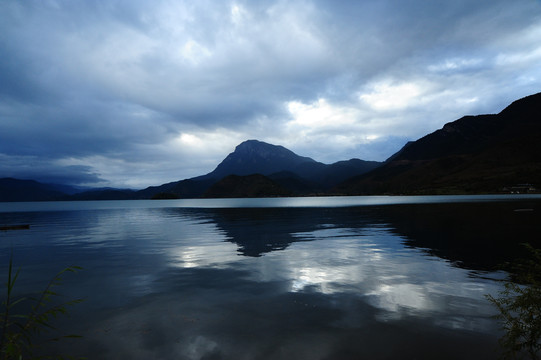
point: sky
(137, 93)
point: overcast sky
(137, 93)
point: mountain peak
(258, 157)
(251, 143)
(256, 148)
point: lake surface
(300, 278)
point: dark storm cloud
(46, 171)
(170, 85)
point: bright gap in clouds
(329, 132)
(320, 114)
(386, 96)
(375, 115)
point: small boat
(14, 227)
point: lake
(281, 278)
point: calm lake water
(302, 278)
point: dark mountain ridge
(294, 174)
(247, 186)
(474, 154)
(473, 134)
(28, 190)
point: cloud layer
(137, 93)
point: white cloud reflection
(208, 255)
(373, 266)
(399, 281)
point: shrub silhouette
(519, 305)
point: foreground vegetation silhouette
(519, 305)
(20, 329)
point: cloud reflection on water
(368, 263)
(271, 283)
(402, 282)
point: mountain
(255, 185)
(28, 190)
(280, 172)
(297, 175)
(188, 188)
(250, 157)
(474, 154)
(337, 172)
(296, 184)
(257, 157)
(103, 194)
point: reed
(20, 329)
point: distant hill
(475, 154)
(12, 190)
(337, 172)
(296, 184)
(28, 190)
(103, 194)
(255, 185)
(188, 188)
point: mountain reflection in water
(478, 236)
(375, 282)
